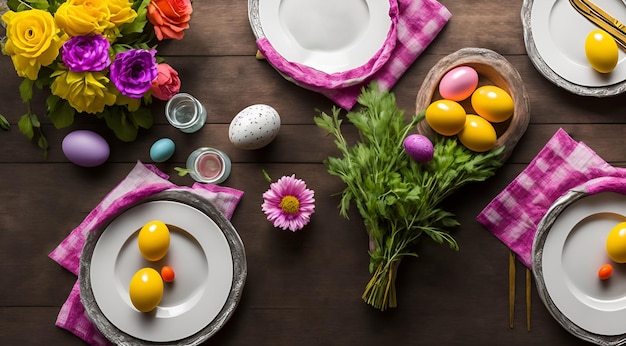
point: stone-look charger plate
(205, 252)
(554, 35)
(568, 250)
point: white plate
(569, 248)
(327, 35)
(207, 258)
(559, 34)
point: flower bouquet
(96, 57)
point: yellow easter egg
(445, 117)
(146, 289)
(154, 240)
(478, 134)
(492, 103)
(601, 51)
(616, 243)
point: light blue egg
(162, 150)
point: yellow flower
(83, 17)
(33, 41)
(86, 92)
(121, 12)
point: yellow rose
(33, 40)
(86, 92)
(121, 13)
(83, 17)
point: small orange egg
(605, 272)
(445, 117)
(478, 134)
(167, 273)
(616, 243)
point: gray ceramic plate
(205, 252)
(569, 249)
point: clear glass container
(208, 165)
(185, 113)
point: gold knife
(604, 24)
(605, 16)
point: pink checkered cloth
(417, 24)
(143, 181)
(563, 164)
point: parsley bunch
(398, 198)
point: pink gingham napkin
(143, 181)
(563, 164)
(418, 24)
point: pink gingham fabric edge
(314, 78)
(514, 214)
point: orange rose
(169, 18)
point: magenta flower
(288, 203)
(133, 71)
(86, 53)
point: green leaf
(117, 121)
(4, 123)
(26, 90)
(60, 112)
(142, 117)
(182, 171)
(25, 126)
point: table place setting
(157, 262)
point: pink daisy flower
(288, 203)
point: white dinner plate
(554, 36)
(560, 32)
(206, 256)
(569, 249)
(327, 35)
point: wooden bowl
(493, 69)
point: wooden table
(302, 288)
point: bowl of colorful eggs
(477, 96)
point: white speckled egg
(85, 148)
(254, 127)
(419, 147)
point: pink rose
(167, 83)
(169, 17)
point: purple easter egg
(85, 148)
(419, 147)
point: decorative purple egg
(419, 147)
(85, 148)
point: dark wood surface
(303, 288)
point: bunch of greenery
(398, 198)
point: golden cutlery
(512, 292)
(605, 23)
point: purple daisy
(86, 53)
(133, 71)
(288, 203)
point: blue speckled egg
(162, 150)
(85, 148)
(254, 127)
(419, 147)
